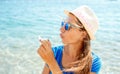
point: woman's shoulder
(96, 63)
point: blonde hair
(84, 62)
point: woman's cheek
(68, 39)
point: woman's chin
(64, 42)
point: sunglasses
(67, 26)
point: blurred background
(22, 21)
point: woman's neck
(73, 50)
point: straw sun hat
(87, 17)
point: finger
(45, 44)
(41, 48)
(44, 55)
(42, 44)
(41, 51)
(49, 43)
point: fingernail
(40, 40)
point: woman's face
(73, 35)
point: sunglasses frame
(67, 25)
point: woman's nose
(62, 29)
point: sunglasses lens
(66, 26)
(62, 24)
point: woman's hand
(45, 51)
(47, 55)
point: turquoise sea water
(22, 21)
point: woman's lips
(61, 35)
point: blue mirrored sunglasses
(67, 25)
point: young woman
(75, 57)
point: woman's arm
(47, 55)
(92, 73)
(46, 70)
(55, 69)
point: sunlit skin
(73, 40)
